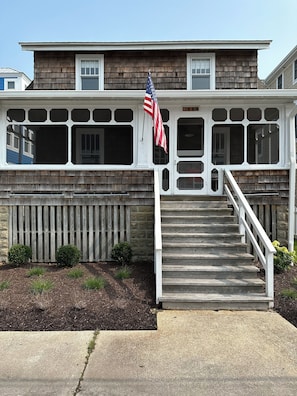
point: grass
(4, 285)
(123, 273)
(75, 273)
(96, 283)
(289, 293)
(36, 271)
(40, 285)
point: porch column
(2, 137)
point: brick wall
(128, 70)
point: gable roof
(146, 45)
(292, 55)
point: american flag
(152, 108)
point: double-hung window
(89, 72)
(295, 71)
(280, 82)
(201, 71)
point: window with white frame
(89, 72)
(10, 84)
(280, 82)
(295, 71)
(201, 71)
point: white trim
(82, 57)
(190, 58)
(146, 45)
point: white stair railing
(257, 236)
(158, 238)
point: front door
(190, 164)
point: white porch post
(2, 137)
(292, 178)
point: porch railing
(158, 238)
(251, 230)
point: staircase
(205, 264)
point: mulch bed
(127, 304)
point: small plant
(122, 253)
(289, 293)
(39, 286)
(4, 285)
(75, 273)
(283, 259)
(67, 256)
(19, 254)
(36, 271)
(123, 273)
(294, 282)
(96, 283)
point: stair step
(198, 219)
(193, 247)
(200, 237)
(184, 283)
(193, 227)
(215, 301)
(209, 271)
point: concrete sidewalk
(191, 353)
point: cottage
(90, 180)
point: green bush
(123, 273)
(40, 286)
(75, 273)
(36, 271)
(122, 253)
(96, 283)
(19, 254)
(67, 256)
(283, 259)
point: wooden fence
(94, 229)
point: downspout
(292, 178)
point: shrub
(67, 256)
(39, 286)
(36, 271)
(75, 273)
(283, 259)
(289, 293)
(4, 285)
(96, 283)
(123, 273)
(19, 254)
(122, 253)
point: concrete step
(195, 211)
(209, 271)
(221, 286)
(215, 301)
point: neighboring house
(91, 181)
(284, 75)
(19, 150)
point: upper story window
(280, 82)
(201, 71)
(10, 84)
(295, 71)
(89, 72)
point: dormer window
(201, 71)
(89, 72)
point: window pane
(236, 114)
(227, 144)
(58, 115)
(190, 137)
(159, 155)
(219, 114)
(254, 114)
(16, 115)
(165, 115)
(37, 115)
(80, 115)
(123, 115)
(263, 144)
(200, 82)
(89, 83)
(38, 144)
(102, 115)
(271, 114)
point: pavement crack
(91, 347)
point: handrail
(158, 238)
(246, 214)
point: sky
(155, 20)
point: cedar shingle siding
(127, 70)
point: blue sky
(137, 20)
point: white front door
(190, 176)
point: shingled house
(94, 162)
